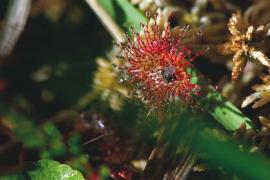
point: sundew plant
(134, 89)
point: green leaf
(46, 137)
(74, 143)
(110, 7)
(233, 159)
(23, 128)
(209, 141)
(225, 112)
(125, 14)
(80, 162)
(54, 146)
(104, 172)
(48, 169)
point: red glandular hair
(156, 63)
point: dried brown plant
(261, 96)
(244, 44)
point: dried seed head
(156, 64)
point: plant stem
(15, 20)
(107, 21)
